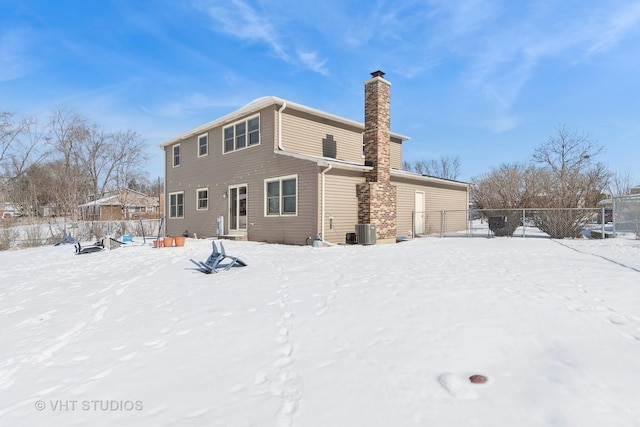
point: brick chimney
(376, 196)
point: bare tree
(563, 175)
(129, 152)
(10, 130)
(568, 177)
(22, 149)
(509, 186)
(445, 167)
(92, 161)
(572, 179)
(621, 183)
(69, 181)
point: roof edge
(413, 175)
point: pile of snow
(384, 335)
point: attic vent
(329, 147)
(377, 74)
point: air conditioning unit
(366, 234)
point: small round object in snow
(478, 379)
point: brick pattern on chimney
(377, 197)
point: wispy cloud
(241, 20)
(502, 48)
(462, 18)
(312, 61)
(238, 19)
(616, 27)
(194, 102)
(15, 60)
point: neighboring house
(10, 210)
(122, 204)
(277, 171)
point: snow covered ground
(350, 336)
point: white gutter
(323, 202)
(284, 105)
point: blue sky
(484, 80)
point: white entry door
(418, 225)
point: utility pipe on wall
(284, 105)
(322, 201)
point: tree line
(63, 160)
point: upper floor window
(203, 145)
(241, 134)
(176, 155)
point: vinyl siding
(341, 204)
(396, 154)
(287, 229)
(437, 197)
(304, 134)
(250, 166)
(307, 134)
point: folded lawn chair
(96, 247)
(216, 259)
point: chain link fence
(626, 214)
(554, 223)
(31, 232)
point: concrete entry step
(239, 237)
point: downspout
(284, 105)
(322, 213)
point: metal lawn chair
(216, 260)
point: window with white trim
(241, 134)
(176, 155)
(281, 196)
(176, 205)
(203, 145)
(202, 199)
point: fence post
(442, 223)
(613, 212)
(524, 222)
(603, 221)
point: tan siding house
(278, 171)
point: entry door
(419, 213)
(238, 208)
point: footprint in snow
(618, 319)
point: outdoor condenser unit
(366, 234)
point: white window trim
(173, 155)
(169, 205)
(198, 208)
(246, 120)
(266, 199)
(198, 144)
